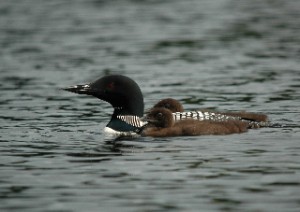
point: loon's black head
(121, 92)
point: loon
(126, 98)
(161, 123)
(254, 120)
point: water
(223, 54)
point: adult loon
(126, 98)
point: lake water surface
(222, 54)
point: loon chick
(126, 98)
(169, 103)
(162, 124)
(257, 120)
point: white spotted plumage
(199, 115)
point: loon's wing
(212, 116)
(201, 116)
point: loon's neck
(124, 121)
(131, 107)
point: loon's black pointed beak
(80, 89)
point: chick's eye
(159, 115)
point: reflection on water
(229, 55)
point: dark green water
(222, 54)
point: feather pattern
(132, 120)
(199, 115)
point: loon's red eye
(110, 86)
